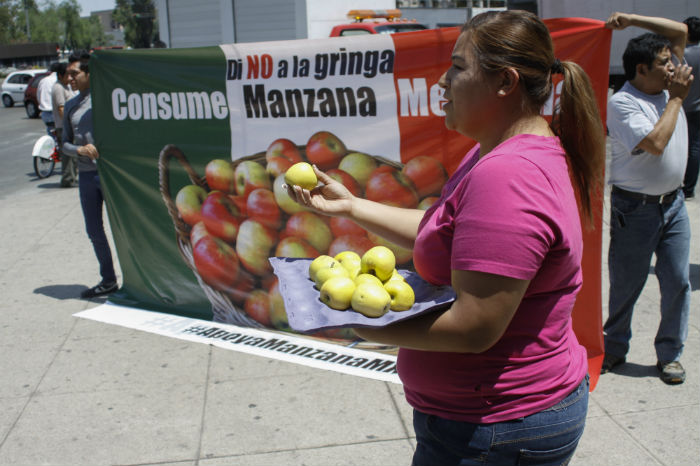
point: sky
(95, 5)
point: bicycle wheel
(43, 167)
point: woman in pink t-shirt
(498, 377)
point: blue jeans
(47, 118)
(637, 232)
(546, 438)
(691, 171)
(91, 201)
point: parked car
(31, 102)
(15, 84)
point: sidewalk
(79, 392)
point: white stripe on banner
(270, 344)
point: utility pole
(26, 17)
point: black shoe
(672, 372)
(610, 361)
(100, 289)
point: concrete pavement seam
(36, 387)
(204, 407)
(397, 410)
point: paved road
(17, 138)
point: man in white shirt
(43, 95)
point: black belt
(665, 198)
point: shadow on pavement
(61, 291)
(631, 369)
(694, 276)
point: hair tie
(557, 67)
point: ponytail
(578, 125)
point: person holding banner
(649, 146)
(498, 377)
(79, 142)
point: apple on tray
(403, 255)
(250, 175)
(379, 261)
(359, 244)
(189, 202)
(337, 292)
(220, 216)
(325, 150)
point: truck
(376, 22)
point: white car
(14, 85)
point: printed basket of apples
(231, 221)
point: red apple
(383, 168)
(242, 288)
(402, 255)
(240, 203)
(346, 180)
(426, 173)
(310, 227)
(286, 203)
(257, 306)
(344, 226)
(359, 165)
(261, 206)
(391, 187)
(283, 148)
(198, 232)
(189, 203)
(325, 150)
(253, 246)
(427, 202)
(220, 176)
(277, 166)
(251, 175)
(359, 244)
(220, 216)
(291, 246)
(216, 262)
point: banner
(194, 143)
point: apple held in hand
(251, 175)
(402, 295)
(426, 173)
(358, 244)
(370, 300)
(261, 206)
(286, 203)
(346, 180)
(283, 148)
(310, 227)
(294, 247)
(360, 166)
(379, 261)
(220, 216)
(391, 187)
(220, 176)
(253, 245)
(337, 292)
(257, 306)
(301, 174)
(216, 262)
(189, 203)
(325, 150)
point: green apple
(402, 295)
(301, 174)
(371, 300)
(379, 261)
(351, 261)
(329, 272)
(395, 276)
(360, 166)
(367, 278)
(337, 292)
(321, 262)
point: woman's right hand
(329, 198)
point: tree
(138, 19)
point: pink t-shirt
(512, 213)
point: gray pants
(69, 167)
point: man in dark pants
(78, 142)
(691, 105)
